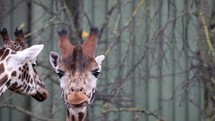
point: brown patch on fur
(15, 84)
(17, 87)
(73, 118)
(3, 80)
(5, 54)
(25, 66)
(8, 83)
(28, 78)
(13, 52)
(1, 68)
(80, 116)
(13, 73)
(28, 88)
(24, 75)
(20, 76)
(2, 51)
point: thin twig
(135, 110)
(39, 117)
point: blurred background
(159, 62)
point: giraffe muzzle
(41, 95)
(77, 98)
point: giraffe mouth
(41, 96)
(77, 98)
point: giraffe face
(78, 76)
(22, 77)
(77, 69)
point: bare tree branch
(135, 110)
(39, 117)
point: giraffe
(77, 69)
(17, 71)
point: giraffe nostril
(81, 90)
(77, 89)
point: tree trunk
(76, 8)
(206, 56)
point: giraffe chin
(40, 96)
(77, 99)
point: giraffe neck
(4, 77)
(77, 114)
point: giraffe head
(17, 68)
(77, 69)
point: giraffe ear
(54, 59)
(28, 53)
(99, 59)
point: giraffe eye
(95, 73)
(34, 64)
(60, 73)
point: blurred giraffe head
(17, 66)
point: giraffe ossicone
(17, 71)
(77, 69)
